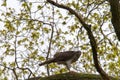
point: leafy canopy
(34, 28)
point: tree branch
(90, 35)
(50, 43)
(49, 48)
(14, 71)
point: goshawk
(66, 58)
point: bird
(66, 58)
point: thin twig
(50, 43)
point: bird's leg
(68, 65)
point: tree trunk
(115, 11)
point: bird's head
(78, 52)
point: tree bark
(115, 11)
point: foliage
(26, 36)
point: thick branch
(69, 9)
(91, 37)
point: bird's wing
(64, 56)
(61, 57)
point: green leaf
(39, 7)
(41, 58)
(35, 35)
(46, 30)
(63, 22)
(4, 3)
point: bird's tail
(47, 62)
